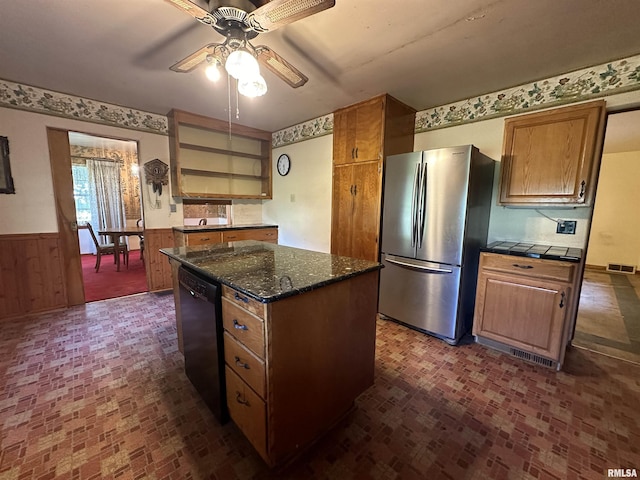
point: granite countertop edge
(274, 297)
(575, 256)
(214, 228)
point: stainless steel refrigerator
(435, 219)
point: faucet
(203, 221)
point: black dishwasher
(201, 314)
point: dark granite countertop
(268, 272)
(215, 228)
(532, 250)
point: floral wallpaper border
(39, 100)
(607, 79)
(599, 81)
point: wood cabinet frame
(178, 147)
(551, 158)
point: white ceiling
(423, 52)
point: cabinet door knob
(239, 326)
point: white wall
(301, 203)
(516, 224)
(32, 208)
(615, 232)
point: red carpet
(108, 283)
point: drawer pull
(562, 295)
(239, 326)
(241, 298)
(526, 267)
(240, 364)
(231, 237)
(204, 239)
(240, 400)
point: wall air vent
(619, 268)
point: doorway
(608, 318)
(72, 155)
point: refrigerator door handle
(422, 209)
(419, 267)
(414, 206)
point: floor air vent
(516, 352)
(531, 357)
(619, 268)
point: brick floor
(99, 392)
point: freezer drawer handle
(418, 267)
(240, 364)
(239, 326)
(525, 267)
(241, 298)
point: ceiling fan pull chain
(229, 105)
(237, 102)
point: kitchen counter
(296, 355)
(220, 228)
(523, 249)
(268, 272)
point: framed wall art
(6, 180)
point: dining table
(115, 234)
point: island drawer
(243, 326)
(532, 267)
(243, 301)
(248, 367)
(248, 411)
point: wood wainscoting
(31, 274)
(157, 264)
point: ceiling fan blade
(194, 60)
(281, 12)
(194, 10)
(280, 67)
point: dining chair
(140, 224)
(107, 249)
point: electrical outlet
(567, 227)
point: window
(81, 193)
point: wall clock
(284, 164)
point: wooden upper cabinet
(212, 159)
(358, 132)
(363, 136)
(551, 158)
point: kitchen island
(299, 337)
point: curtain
(107, 207)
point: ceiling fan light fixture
(213, 69)
(241, 64)
(253, 86)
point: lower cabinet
(218, 236)
(523, 305)
(286, 376)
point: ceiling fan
(239, 25)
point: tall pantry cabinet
(364, 134)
